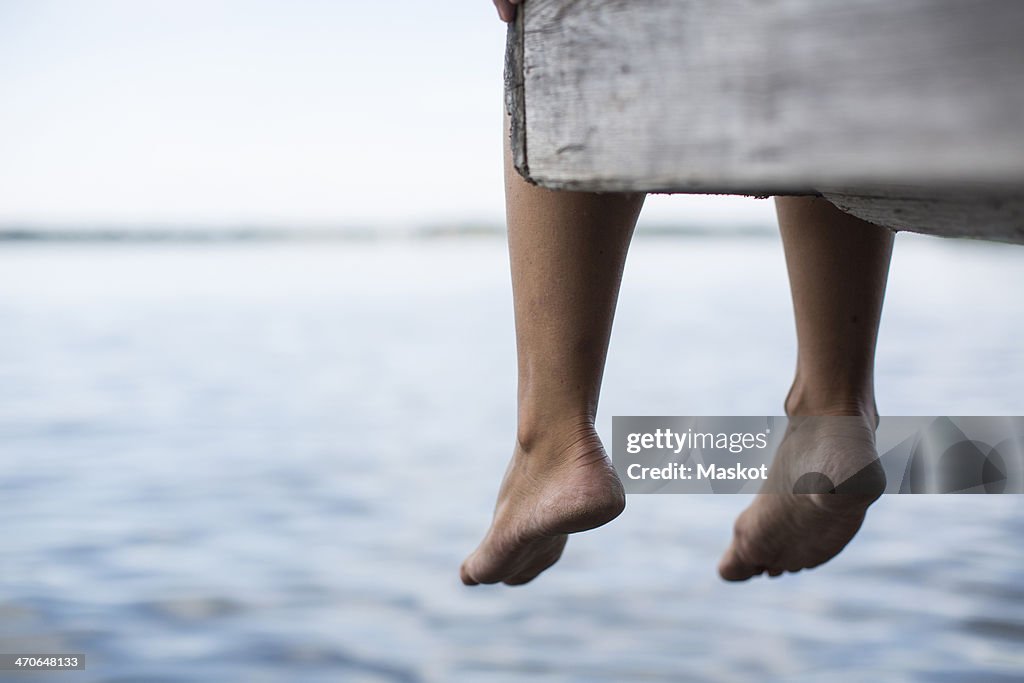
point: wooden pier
(907, 113)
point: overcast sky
(300, 112)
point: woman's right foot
(823, 478)
(556, 487)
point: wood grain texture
(771, 96)
(514, 95)
(996, 217)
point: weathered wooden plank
(956, 213)
(515, 103)
(770, 96)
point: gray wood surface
(769, 96)
(907, 113)
(991, 216)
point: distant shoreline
(187, 235)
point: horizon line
(256, 232)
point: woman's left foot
(564, 485)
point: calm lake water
(265, 462)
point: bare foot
(823, 478)
(558, 488)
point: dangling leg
(838, 266)
(567, 252)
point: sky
(299, 112)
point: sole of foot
(557, 487)
(824, 477)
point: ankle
(555, 436)
(806, 400)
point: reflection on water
(265, 462)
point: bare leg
(838, 266)
(567, 252)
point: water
(265, 463)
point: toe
(478, 568)
(520, 579)
(467, 578)
(734, 568)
